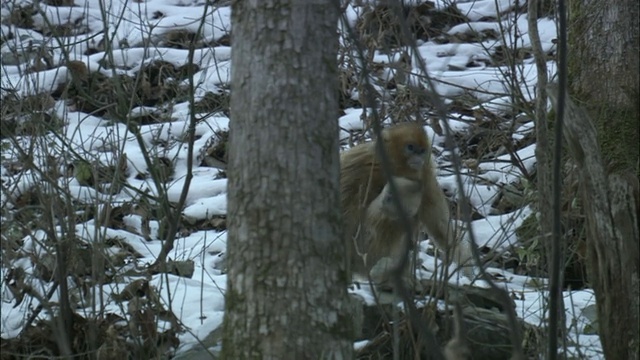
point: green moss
(617, 136)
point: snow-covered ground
(140, 33)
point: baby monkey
(373, 230)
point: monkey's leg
(388, 249)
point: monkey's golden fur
(368, 214)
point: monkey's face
(415, 155)
(408, 148)
(409, 156)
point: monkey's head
(408, 148)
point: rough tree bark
(603, 71)
(286, 293)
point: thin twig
(555, 282)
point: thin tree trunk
(544, 161)
(286, 294)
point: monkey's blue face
(416, 155)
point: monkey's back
(360, 174)
(360, 182)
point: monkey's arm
(387, 244)
(410, 196)
(436, 221)
(434, 214)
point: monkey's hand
(410, 194)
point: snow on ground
(138, 34)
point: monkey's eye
(414, 149)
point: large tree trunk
(286, 294)
(603, 70)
